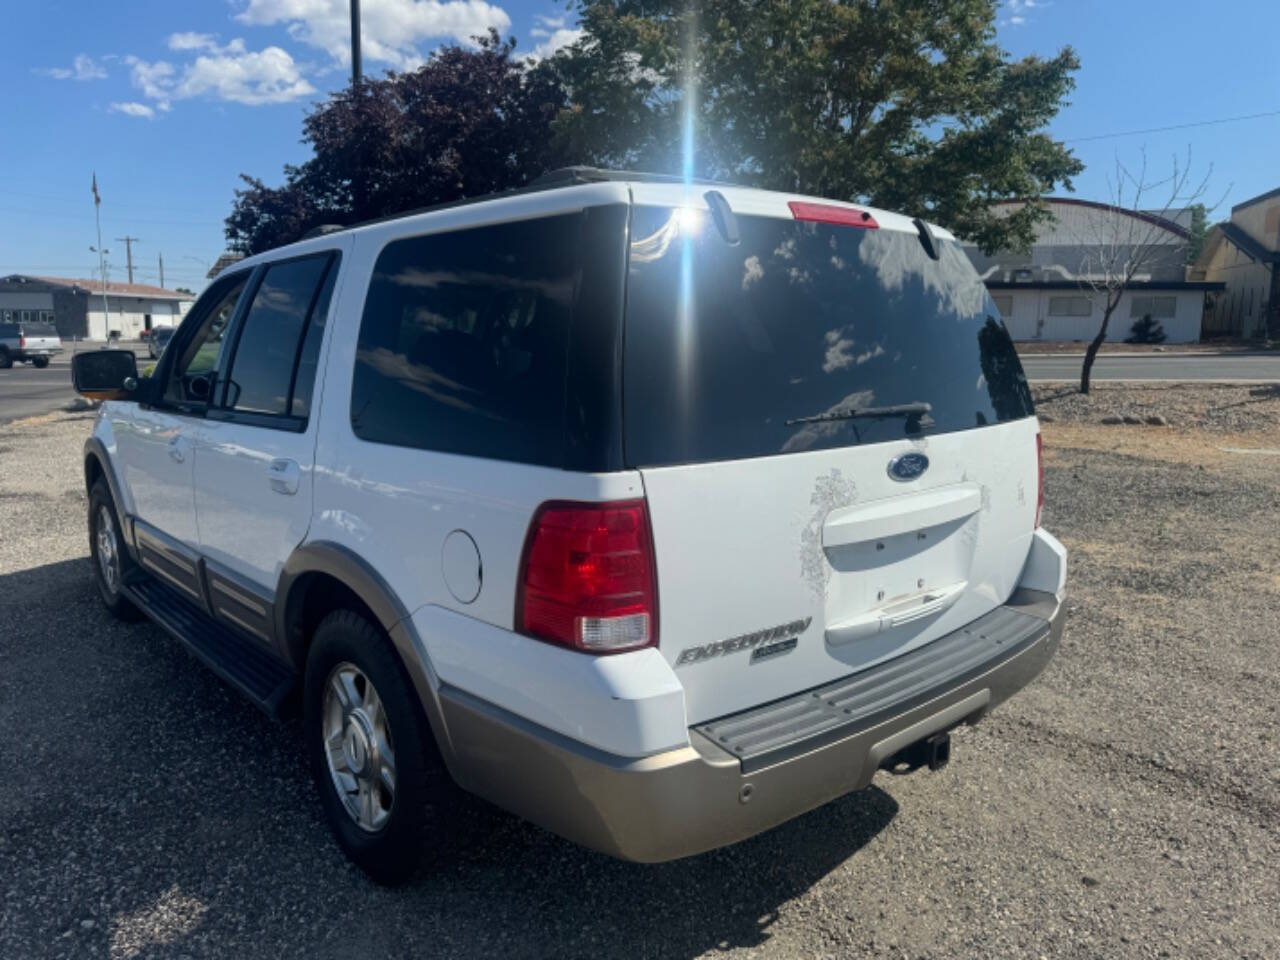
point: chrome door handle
(283, 476)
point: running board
(241, 661)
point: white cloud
(554, 34)
(134, 109)
(153, 79)
(224, 72)
(390, 29)
(190, 41)
(1018, 9)
(267, 76)
(83, 67)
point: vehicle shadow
(163, 816)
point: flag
(97, 200)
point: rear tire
(359, 709)
(40, 362)
(6, 361)
(110, 557)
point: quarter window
(464, 340)
(1070, 306)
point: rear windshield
(731, 349)
(39, 330)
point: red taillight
(22, 343)
(829, 213)
(1039, 478)
(587, 579)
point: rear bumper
(28, 353)
(703, 796)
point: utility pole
(102, 255)
(128, 252)
(355, 45)
(162, 270)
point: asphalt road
(28, 392)
(1251, 368)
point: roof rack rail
(566, 176)
(562, 177)
(322, 230)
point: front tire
(110, 557)
(370, 748)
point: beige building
(1244, 253)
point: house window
(1005, 305)
(1070, 306)
(1159, 308)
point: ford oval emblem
(909, 466)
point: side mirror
(200, 387)
(105, 374)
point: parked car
(656, 514)
(159, 339)
(28, 342)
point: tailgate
(783, 573)
(836, 442)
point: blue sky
(168, 102)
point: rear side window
(262, 377)
(760, 348)
(464, 340)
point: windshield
(771, 345)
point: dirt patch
(1222, 408)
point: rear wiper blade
(896, 410)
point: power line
(72, 216)
(1176, 126)
(68, 198)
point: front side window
(464, 340)
(189, 378)
(261, 378)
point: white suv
(655, 513)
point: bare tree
(1126, 240)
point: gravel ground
(1125, 805)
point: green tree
(471, 120)
(906, 104)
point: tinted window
(305, 380)
(464, 338)
(728, 348)
(267, 345)
(39, 330)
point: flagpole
(102, 260)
